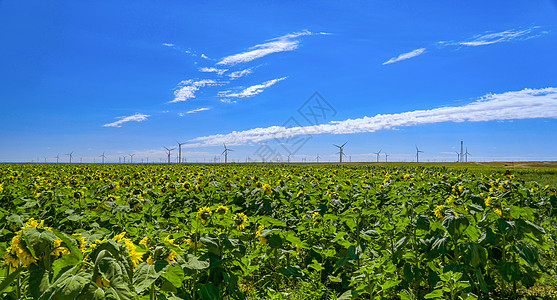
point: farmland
(197, 231)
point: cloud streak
(498, 37)
(405, 56)
(283, 43)
(524, 104)
(134, 118)
(250, 91)
(193, 111)
(187, 88)
(241, 73)
(212, 70)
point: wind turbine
(386, 156)
(169, 150)
(102, 157)
(341, 150)
(377, 153)
(131, 158)
(71, 155)
(225, 152)
(466, 154)
(418, 154)
(458, 156)
(179, 151)
(57, 157)
(317, 157)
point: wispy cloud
(135, 118)
(187, 88)
(525, 104)
(212, 70)
(193, 111)
(250, 91)
(405, 56)
(168, 44)
(241, 73)
(283, 43)
(497, 37)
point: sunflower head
(222, 210)
(204, 214)
(240, 220)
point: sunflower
(240, 220)
(171, 256)
(221, 210)
(204, 214)
(267, 189)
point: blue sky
(132, 77)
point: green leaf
(435, 294)
(346, 295)
(147, 274)
(510, 271)
(67, 286)
(39, 280)
(207, 291)
(8, 280)
(175, 275)
(290, 271)
(38, 240)
(194, 263)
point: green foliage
(278, 232)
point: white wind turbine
(466, 154)
(377, 153)
(131, 158)
(103, 157)
(169, 150)
(179, 151)
(386, 156)
(418, 151)
(341, 150)
(225, 153)
(71, 155)
(57, 157)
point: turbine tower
(377, 153)
(169, 150)
(179, 151)
(461, 151)
(57, 157)
(317, 157)
(103, 157)
(131, 158)
(458, 156)
(225, 153)
(71, 155)
(418, 154)
(341, 150)
(386, 156)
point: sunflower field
(199, 231)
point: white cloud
(250, 91)
(204, 56)
(525, 104)
(136, 118)
(198, 110)
(168, 44)
(212, 70)
(187, 88)
(241, 73)
(405, 56)
(283, 43)
(498, 37)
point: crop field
(253, 231)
